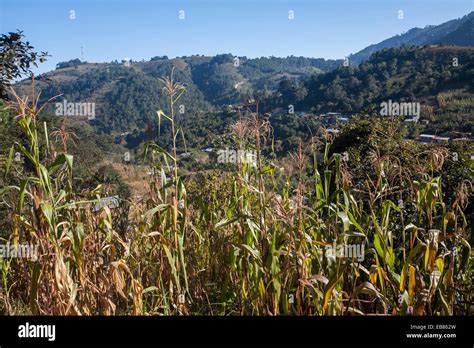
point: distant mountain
(128, 95)
(455, 32)
(463, 35)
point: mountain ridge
(458, 31)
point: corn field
(263, 239)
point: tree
(16, 59)
(69, 64)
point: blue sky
(141, 29)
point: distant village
(332, 121)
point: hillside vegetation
(137, 211)
(405, 75)
(259, 239)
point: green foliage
(253, 240)
(69, 64)
(405, 74)
(16, 59)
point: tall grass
(251, 242)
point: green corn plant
(170, 212)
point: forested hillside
(423, 75)
(455, 32)
(127, 95)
